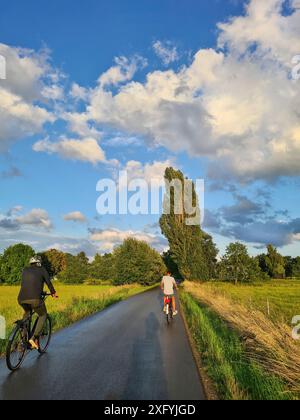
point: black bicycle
(18, 344)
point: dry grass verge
(268, 343)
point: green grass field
(74, 303)
(244, 336)
(279, 299)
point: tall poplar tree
(191, 249)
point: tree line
(192, 255)
(132, 262)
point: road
(126, 352)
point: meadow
(75, 302)
(244, 336)
(277, 299)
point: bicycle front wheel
(16, 349)
(45, 337)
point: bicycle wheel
(16, 348)
(168, 314)
(45, 337)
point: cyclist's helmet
(36, 260)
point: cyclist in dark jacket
(30, 296)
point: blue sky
(140, 85)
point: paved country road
(126, 352)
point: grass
(75, 303)
(265, 344)
(282, 297)
(223, 356)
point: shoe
(175, 313)
(164, 310)
(34, 345)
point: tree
(103, 267)
(171, 265)
(289, 266)
(13, 262)
(262, 262)
(292, 266)
(186, 241)
(54, 261)
(237, 266)
(275, 263)
(76, 271)
(137, 262)
(211, 252)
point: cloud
(35, 218)
(123, 71)
(153, 173)
(253, 222)
(79, 92)
(110, 238)
(166, 51)
(243, 211)
(14, 210)
(222, 105)
(85, 150)
(123, 141)
(274, 232)
(75, 216)
(44, 240)
(266, 27)
(9, 224)
(25, 94)
(12, 172)
(211, 220)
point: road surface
(126, 352)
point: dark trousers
(38, 307)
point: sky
(95, 88)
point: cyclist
(33, 280)
(168, 284)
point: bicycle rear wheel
(45, 337)
(168, 314)
(16, 349)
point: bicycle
(18, 345)
(169, 309)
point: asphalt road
(126, 352)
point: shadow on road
(147, 376)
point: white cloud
(223, 105)
(110, 238)
(123, 141)
(36, 218)
(166, 51)
(123, 71)
(79, 124)
(150, 172)
(30, 82)
(78, 92)
(85, 150)
(265, 27)
(19, 119)
(75, 216)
